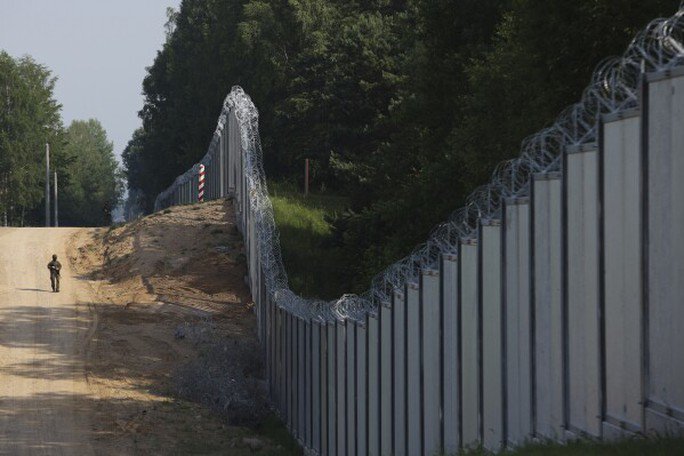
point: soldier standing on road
(54, 266)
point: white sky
(98, 49)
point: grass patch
(663, 446)
(275, 430)
(315, 268)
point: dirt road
(153, 318)
(43, 391)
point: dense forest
(404, 106)
(89, 180)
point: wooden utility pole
(47, 184)
(55, 202)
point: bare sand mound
(172, 306)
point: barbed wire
(614, 87)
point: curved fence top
(614, 86)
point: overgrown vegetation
(228, 379)
(314, 266)
(404, 106)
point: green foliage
(403, 106)
(496, 72)
(274, 429)
(314, 267)
(29, 117)
(323, 74)
(95, 183)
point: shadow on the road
(111, 426)
(137, 416)
(23, 423)
(52, 334)
(34, 289)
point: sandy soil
(89, 370)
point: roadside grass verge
(315, 268)
(660, 446)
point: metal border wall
(545, 308)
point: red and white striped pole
(200, 193)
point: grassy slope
(314, 269)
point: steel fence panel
(413, 364)
(451, 332)
(341, 387)
(665, 254)
(621, 176)
(431, 340)
(470, 346)
(518, 321)
(316, 389)
(308, 381)
(281, 370)
(362, 389)
(331, 334)
(301, 380)
(386, 379)
(492, 336)
(352, 399)
(373, 390)
(399, 346)
(548, 311)
(325, 390)
(583, 369)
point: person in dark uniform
(54, 266)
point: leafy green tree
(323, 74)
(29, 117)
(405, 106)
(498, 82)
(95, 185)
